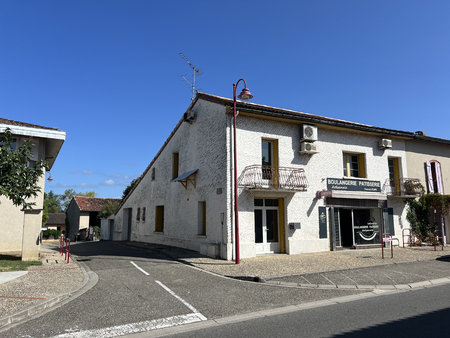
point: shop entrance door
(266, 226)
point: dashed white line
(189, 306)
(140, 269)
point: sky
(109, 73)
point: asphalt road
(414, 313)
(140, 290)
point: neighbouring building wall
(15, 222)
(418, 152)
(302, 207)
(200, 145)
(73, 217)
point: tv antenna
(195, 71)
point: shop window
(175, 165)
(354, 165)
(202, 218)
(434, 177)
(159, 218)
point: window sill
(202, 236)
(158, 232)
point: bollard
(68, 249)
(61, 245)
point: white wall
(328, 162)
(201, 145)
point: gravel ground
(54, 277)
(269, 266)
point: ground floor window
(355, 227)
(159, 218)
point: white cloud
(109, 182)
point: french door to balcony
(266, 226)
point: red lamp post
(244, 95)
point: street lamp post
(244, 95)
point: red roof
(93, 203)
(23, 124)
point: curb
(36, 310)
(415, 285)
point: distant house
(21, 229)
(82, 215)
(56, 221)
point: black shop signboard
(349, 184)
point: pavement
(24, 294)
(56, 282)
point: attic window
(143, 214)
(153, 173)
(138, 214)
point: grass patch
(15, 263)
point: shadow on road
(127, 249)
(425, 325)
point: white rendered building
(306, 183)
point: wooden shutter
(437, 168)
(429, 178)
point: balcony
(403, 187)
(270, 178)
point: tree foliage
(108, 209)
(422, 212)
(18, 175)
(129, 187)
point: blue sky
(109, 72)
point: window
(138, 214)
(175, 165)
(159, 218)
(143, 214)
(434, 177)
(394, 174)
(153, 174)
(269, 158)
(354, 165)
(202, 218)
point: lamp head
(245, 94)
(50, 178)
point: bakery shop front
(358, 213)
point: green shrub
(51, 233)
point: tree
(129, 188)
(19, 175)
(52, 204)
(66, 197)
(108, 209)
(87, 194)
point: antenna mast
(194, 72)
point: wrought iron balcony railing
(280, 178)
(403, 187)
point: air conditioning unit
(308, 148)
(308, 133)
(384, 143)
(190, 116)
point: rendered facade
(306, 183)
(21, 229)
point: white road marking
(189, 306)
(121, 330)
(140, 269)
